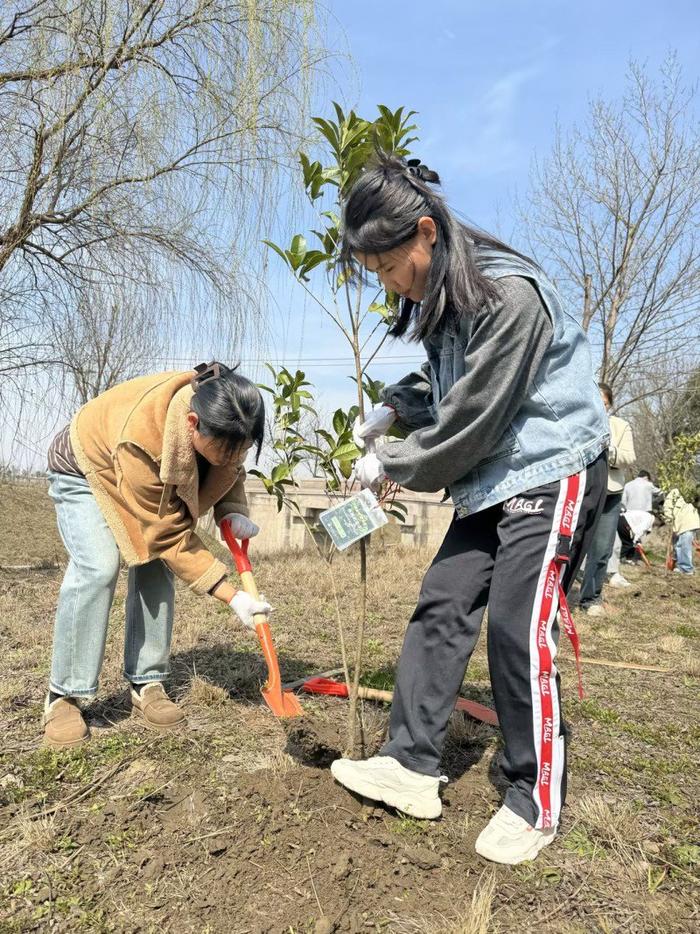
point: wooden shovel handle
(375, 694)
(248, 584)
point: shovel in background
(340, 689)
(281, 703)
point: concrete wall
(426, 521)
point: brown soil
(235, 824)
(313, 743)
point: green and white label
(351, 520)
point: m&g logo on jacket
(520, 504)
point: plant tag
(351, 520)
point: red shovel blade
(326, 686)
(333, 688)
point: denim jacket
(559, 427)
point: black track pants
(501, 557)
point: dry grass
(35, 833)
(279, 763)
(617, 828)
(672, 645)
(691, 664)
(478, 917)
(475, 920)
(204, 693)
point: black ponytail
(382, 212)
(230, 407)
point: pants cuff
(72, 692)
(521, 806)
(145, 679)
(421, 766)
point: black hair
(230, 408)
(644, 473)
(607, 392)
(382, 212)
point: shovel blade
(477, 711)
(282, 703)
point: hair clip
(416, 168)
(205, 372)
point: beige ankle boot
(155, 708)
(64, 726)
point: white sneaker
(595, 609)
(617, 580)
(382, 778)
(509, 839)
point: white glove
(241, 526)
(369, 472)
(376, 423)
(245, 607)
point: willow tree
(143, 148)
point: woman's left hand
(241, 526)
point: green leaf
(346, 451)
(327, 437)
(396, 514)
(278, 250)
(330, 132)
(340, 421)
(280, 473)
(312, 259)
(400, 507)
(298, 245)
(380, 308)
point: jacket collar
(178, 465)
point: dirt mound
(313, 742)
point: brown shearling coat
(133, 445)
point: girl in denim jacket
(506, 415)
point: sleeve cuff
(223, 509)
(216, 571)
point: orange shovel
(281, 703)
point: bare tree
(105, 339)
(665, 403)
(142, 149)
(614, 212)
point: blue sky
(489, 82)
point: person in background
(639, 493)
(636, 521)
(633, 527)
(620, 454)
(685, 523)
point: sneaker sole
(137, 714)
(71, 744)
(495, 855)
(404, 802)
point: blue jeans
(684, 552)
(600, 550)
(86, 596)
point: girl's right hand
(376, 423)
